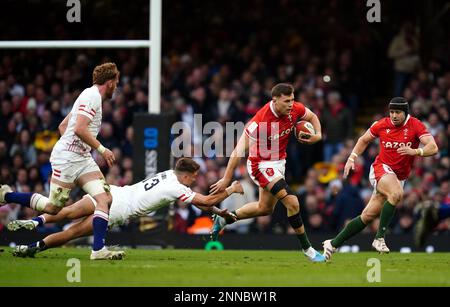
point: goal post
(153, 44)
(154, 71)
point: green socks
(386, 216)
(357, 225)
(353, 227)
(304, 242)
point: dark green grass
(199, 268)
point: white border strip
(76, 44)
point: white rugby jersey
(147, 196)
(69, 147)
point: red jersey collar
(272, 108)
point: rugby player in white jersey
(137, 200)
(72, 162)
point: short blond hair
(104, 72)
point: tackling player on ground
(265, 140)
(400, 135)
(139, 199)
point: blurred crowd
(223, 65)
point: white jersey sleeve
(89, 104)
(184, 194)
(70, 147)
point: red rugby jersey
(393, 137)
(269, 133)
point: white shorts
(264, 172)
(119, 211)
(379, 171)
(69, 172)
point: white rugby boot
(22, 224)
(25, 251)
(4, 188)
(328, 249)
(106, 254)
(380, 245)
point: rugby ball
(303, 130)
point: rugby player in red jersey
(265, 140)
(400, 136)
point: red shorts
(379, 170)
(264, 172)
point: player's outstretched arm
(239, 152)
(221, 212)
(82, 131)
(212, 199)
(314, 120)
(359, 148)
(430, 148)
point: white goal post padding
(72, 44)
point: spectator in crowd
(337, 124)
(404, 50)
(24, 147)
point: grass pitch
(200, 268)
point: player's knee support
(295, 221)
(59, 195)
(96, 187)
(38, 202)
(281, 185)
